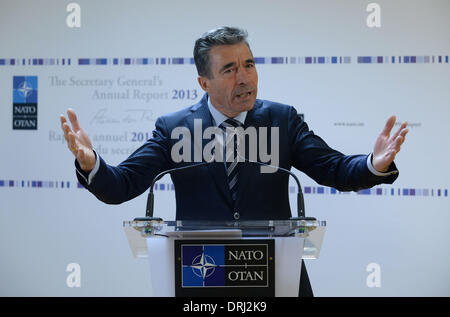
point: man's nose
(241, 76)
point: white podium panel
(293, 240)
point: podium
(225, 258)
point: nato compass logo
(203, 266)
(25, 97)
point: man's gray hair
(221, 36)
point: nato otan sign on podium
(224, 268)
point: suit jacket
(202, 193)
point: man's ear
(204, 83)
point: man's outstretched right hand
(78, 141)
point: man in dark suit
(232, 190)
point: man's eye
(250, 65)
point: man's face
(234, 81)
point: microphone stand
(300, 200)
(151, 198)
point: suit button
(236, 215)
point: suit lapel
(249, 170)
(216, 169)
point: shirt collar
(219, 117)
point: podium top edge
(228, 224)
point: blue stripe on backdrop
(407, 59)
(307, 190)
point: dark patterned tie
(230, 150)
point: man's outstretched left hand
(387, 146)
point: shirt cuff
(92, 173)
(374, 171)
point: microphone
(151, 198)
(300, 200)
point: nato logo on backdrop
(25, 102)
